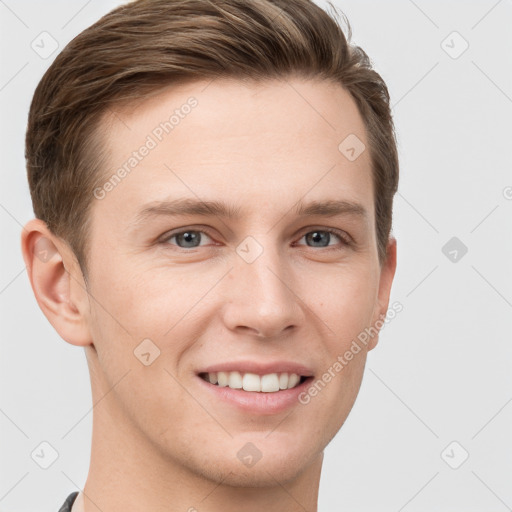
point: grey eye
(319, 238)
(188, 239)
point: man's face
(265, 290)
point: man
(213, 187)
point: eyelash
(346, 240)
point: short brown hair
(145, 45)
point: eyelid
(178, 231)
(344, 237)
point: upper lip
(259, 368)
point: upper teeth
(268, 383)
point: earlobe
(387, 273)
(51, 270)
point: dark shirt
(69, 502)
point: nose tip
(261, 302)
(264, 327)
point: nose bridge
(261, 296)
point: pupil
(318, 236)
(189, 237)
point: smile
(254, 386)
(268, 383)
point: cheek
(132, 305)
(144, 302)
(345, 305)
(344, 300)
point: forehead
(268, 143)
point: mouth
(255, 387)
(253, 382)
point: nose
(260, 297)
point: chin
(273, 462)
(262, 474)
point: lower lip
(256, 402)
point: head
(213, 184)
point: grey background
(441, 372)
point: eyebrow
(188, 206)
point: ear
(387, 273)
(57, 282)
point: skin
(158, 440)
